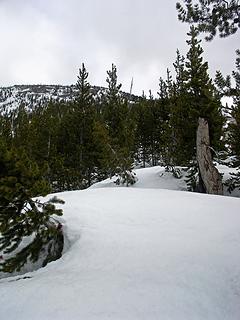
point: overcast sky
(45, 41)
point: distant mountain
(33, 96)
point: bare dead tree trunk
(211, 177)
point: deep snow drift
(137, 253)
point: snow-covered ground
(137, 253)
(158, 178)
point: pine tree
(22, 217)
(211, 16)
(115, 106)
(77, 138)
(233, 129)
(5, 128)
(85, 113)
(167, 141)
(121, 130)
(195, 99)
(180, 149)
(38, 136)
(102, 155)
(143, 119)
(20, 127)
(205, 102)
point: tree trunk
(211, 177)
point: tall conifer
(195, 98)
(120, 128)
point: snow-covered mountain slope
(33, 96)
(137, 253)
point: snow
(143, 252)
(158, 178)
(153, 177)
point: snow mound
(150, 178)
(137, 253)
(158, 178)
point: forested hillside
(81, 134)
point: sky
(46, 41)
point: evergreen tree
(85, 159)
(5, 128)
(75, 137)
(20, 127)
(22, 217)
(115, 108)
(179, 112)
(38, 136)
(196, 99)
(204, 101)
(211, 15)
(235, 125)
(159, 145)
(233, 129)
(102, 154)
(143, 119)
(121, 130)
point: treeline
(80, 142)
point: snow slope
(152, 177)
(158, 178)
(137, 253)
(34, 96)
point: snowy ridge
(33, 96)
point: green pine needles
(211, 16)
(28, 231)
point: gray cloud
(45, 41)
